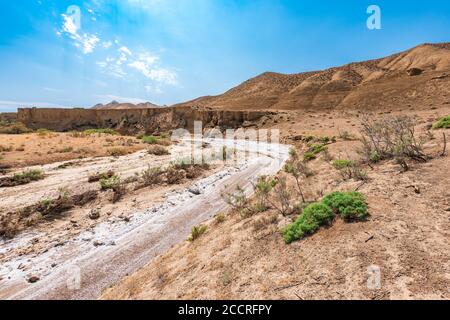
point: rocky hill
(407, 79)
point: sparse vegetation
(342, 164)
(220, 218)
(197, 232)
(22, 178)
(43, 132)
(101, 131)
(238, 200)
(14, 128)
(391, 138)
(151, 176)
(443, 123)
(150, 139)
(110, 183)
(262, 188)
(101, 176)
(117, 152)
(158, 150)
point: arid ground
(86, 216)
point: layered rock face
(132, 121)
(8, 117)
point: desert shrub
(314, 216)
(342, 164)
(390, 138)
(238, 200)
(27, 176)
(220, 218)
(117, 152)
(110, 183)
(14, 128)
(263, 187)
(54, 207)
(151, 176)
(158, 150)
(443, 123)
(308, 156)
(101, 176)
(283, 197)
(22, 178)
(175, 175)
(150, 139)
(100, 131)
(349, 205)
(197, 232)
(317, 148)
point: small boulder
(33, 279)
(94, 215)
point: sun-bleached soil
(34, 149)
(406, 237)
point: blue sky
(169, 51)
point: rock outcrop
(132, 121)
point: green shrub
(314, 216)
(443, 123)
(349, 205)
(196, 232)
(101, 131)
(110, 183)
(28, 176)
(342, 164)
(150, 139)
(308, 156)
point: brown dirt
(34, 149)
(406, 235)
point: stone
(33, 279)
(94, 215)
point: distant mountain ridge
(121, 106)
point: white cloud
(145, 64)
(87, 42)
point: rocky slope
(406, 79)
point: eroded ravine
(136, 242)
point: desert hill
(407, 79)
(122, 106)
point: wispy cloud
(86, 41)
(145, 63)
